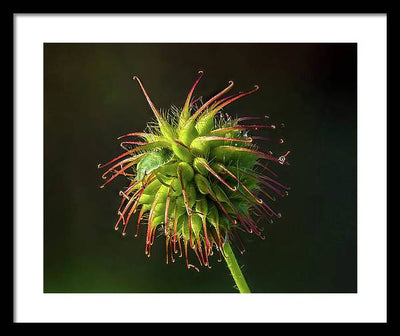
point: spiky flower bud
(198, 175)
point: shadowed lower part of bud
(198, 178)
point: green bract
(198, 176)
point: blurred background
(90, 99)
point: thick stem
(235, 269)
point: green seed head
(198, 176)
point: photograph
(200, 167)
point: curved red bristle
(265, 206)
(240, 182)
(114, 166)
(141, 213)
(221, 206)
(205, 165)
(205, 105)
(282, 158)
(196, 100)
(189, 96)
(119, 172)
(125, 195)
(237, 239)
(134, 206)
(133, 150)
(180, 248)
(273, 181)
(167, 209)
(198, 248)
(249, 118)
(241, 127)
(224, 99)
(188, 210)
(171, 249)
(279, 141)
(231, 100)
(139, 134)
(218, 138)
(253, 151)
(152, 106)
(175, 225)
(267, 194)
(139, 143)
(122, 215)
(266, 168)
(186, 253)
(259, 179)
(151, 214)
(166, 248)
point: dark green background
(90, 100)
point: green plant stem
(235, 269)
